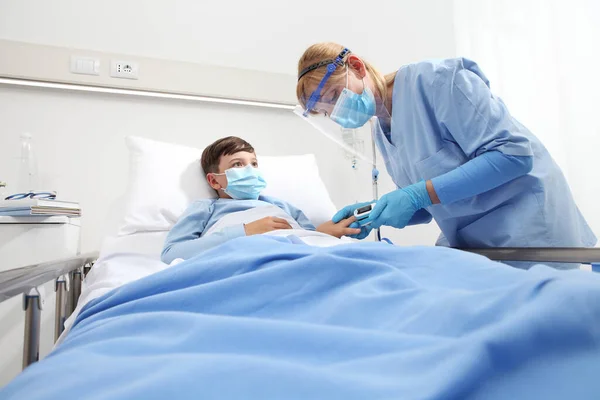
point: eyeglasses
(32, 195)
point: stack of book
(39, 207)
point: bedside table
(25, 241)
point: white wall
(266, 35)
(537, 56)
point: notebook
(39, 207)
(25, 203)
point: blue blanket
(264, 318)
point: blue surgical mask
(244, 183)
(353, 110)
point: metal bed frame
(69, 273)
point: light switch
(85, 65)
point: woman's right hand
(265, 225)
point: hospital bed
(262, 317)
(24, 281)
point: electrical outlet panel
(124, 69)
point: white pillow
(165, 178)
(296, 179)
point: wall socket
(124, 69)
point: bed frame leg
(75, 292)
(77, 278)
(86, 268)
(60, 287)
(32, 305)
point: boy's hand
(265, 225)
(340, 229)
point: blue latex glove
(398, 207)
(348, 212)
(364, 230)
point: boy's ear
(212, 181)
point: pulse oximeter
(362, 213)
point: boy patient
(231, 169)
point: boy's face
(236, 160)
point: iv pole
(375, 179)
(374, 174)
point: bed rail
(68, 274)
(579, 255)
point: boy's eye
(255, 164)
(237, 164)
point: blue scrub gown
(443, 115)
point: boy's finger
(346, 222)
(282, 225)
(351, 231)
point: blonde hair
(329, 51)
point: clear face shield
(339, 113)
(352, 141)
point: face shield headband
(331, 67)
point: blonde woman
(451, 147)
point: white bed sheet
(122, 259)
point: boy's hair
(211, 156)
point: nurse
(452, 149)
